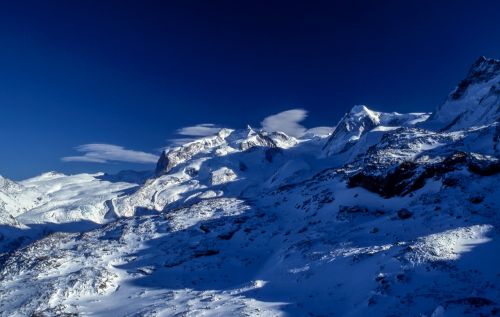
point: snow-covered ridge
(224, 142)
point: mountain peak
(474, 102)
(482, 70)
(364, 111)
(483, 63)
(224, 132)
(359, 109)
(350, 128)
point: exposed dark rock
(271, 153)
(399, 181)
(191, 171)
(227, 236)
(476, 199)
(173, 264)
(404, 214)
(209, 252)
(473, 301)
(304, 229)
(352, 209)
(483, 167)
(163, 165)
(204, 228)
(347, 212)
(243, 167)
(450, 181)
(410, 176)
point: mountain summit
(361, 120)
(474, 102)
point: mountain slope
(286, 253)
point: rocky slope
(391, 215)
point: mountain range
(390, 215)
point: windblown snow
(390, 215)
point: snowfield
(390, 215)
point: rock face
(223, 175)
(482, 71)
(171, 158)
(410, 176)
(475, 101)
(391, 215)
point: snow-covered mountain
(360, 121)
(474, 102)
(391, 215)
(226, 141)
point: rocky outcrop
(222, 175)
(410, 176)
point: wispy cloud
(104, 153)
(286, 121)
(178, 141)
(289, 122)
(194, 132)
(321, 131)
(203, 129)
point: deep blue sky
(131, 73)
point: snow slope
(391, 215)
(58, 202)
(73, 197)
(341, 251)
(16, 198)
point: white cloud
(192, 133)
(179, 141)
(103, 153)
(203, 129)
(320, 131)
(286, 121)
